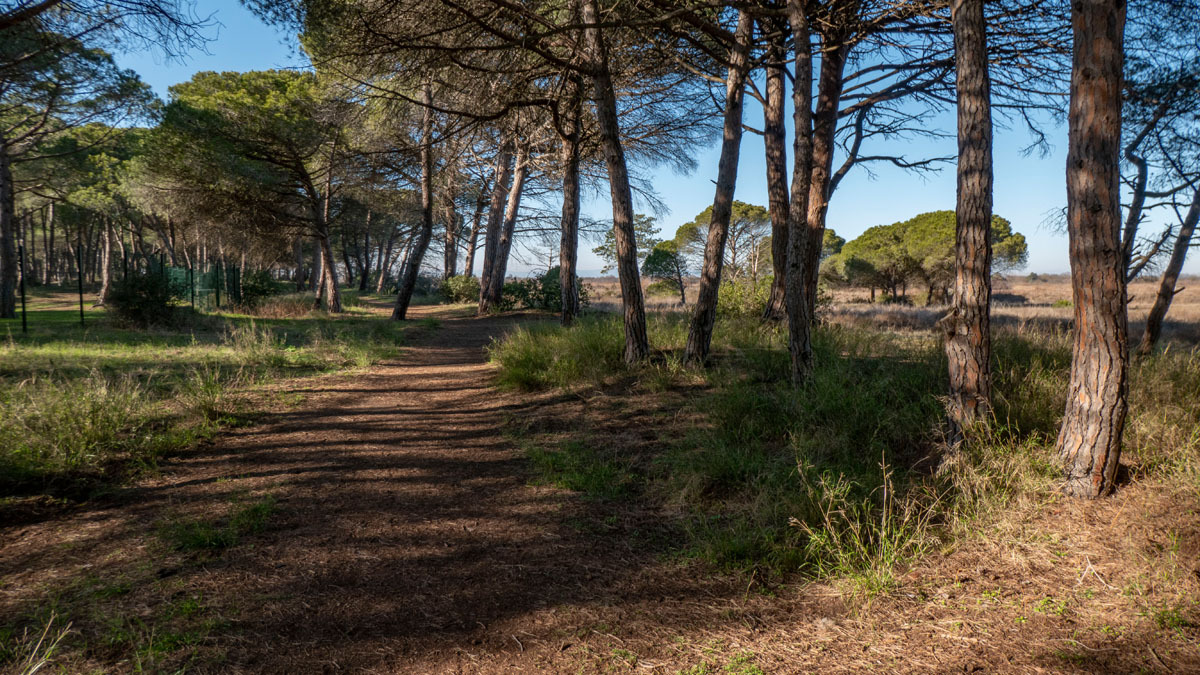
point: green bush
(461, 288)
(258, 286)
(145, 299)
(743, 297)
(540, 292)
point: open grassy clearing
(79, 406)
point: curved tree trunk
(495, 289)
(1089, 441)
(968, 329)
(700, 331)
(495, 223)
(1170, 277)
(775, 141)
(568, 248)
(637, 346)
(409, 283)
(798, 313)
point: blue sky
(1028, 187)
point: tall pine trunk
(495, 223)
(775, 142)
(481, 203)
(1170, 277)
(568, 248)
(968, 328)
(450, 243)
(8, 248)
(495, 288)
(1089, 441)
(700, 331)
(409, 283)
(637, 346)
(799, 315)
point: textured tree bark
(385, 260)
(329, 280)
(512, 209)
(409, 283)
(968, 326)
(705, 314)
(568, 247)
(105, 262)
(1170, 277)
(798, 313)
(495, 223)
(834, 51)
(637, 346)
(775, 140)
(450, 244)
(481, 203)
(8, 248)
(364, 274)
(1089, 441)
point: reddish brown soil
(408, 539)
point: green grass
(202, 534)
(81, 406)
(843, 476)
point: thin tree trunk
(775, 142)
(1170, 277)
(795, 298)
(968, 326)
(409, 283)
(700, 331)
(8, 249)
(495, 223)
(365, 272)
(105, 262)
(637, 346)
(1089, 441)
(385, 260)
(568, 246)
(49, 231)
(301, 271)
(495, 289)
(450, 245)
(329, 280)
(481, 203)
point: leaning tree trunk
(8, 249)
(409, 283)
(495, 288)
(1170, 277)
(1089, 441)
(700, 331)
(968, 329)
(775, 142)
(495, 223)
(798, 313)
(637, 346)
(568, 249)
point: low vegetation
(82, 407)
(842, 477)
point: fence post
(21, 268)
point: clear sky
(1028, 188)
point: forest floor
(386, 521)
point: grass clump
(575, 466)
(199, 534)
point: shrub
(257, 286)
(743, 297)
(540, 292)
(461, 288)
(145, 299)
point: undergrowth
(843, 477)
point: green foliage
(462, 288)
(747, 243)
(540, 292)
(145, 299)
(667, 266)
(643, 230)
(259, 285)
(918, 250)
(743, 297)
